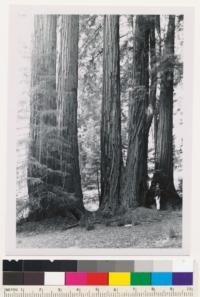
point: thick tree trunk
(111, 154)
(43, 98)
(164, 148)
(157, 45)
(67, 84)
(140, 117)
(153, 76)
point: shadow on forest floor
(149, 229)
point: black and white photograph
(100, 130)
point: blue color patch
(161, 278)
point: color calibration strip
(98, 273)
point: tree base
(164, 187)
(55, 202)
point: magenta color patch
(75, 278)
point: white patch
(128, 225)
(157, 200)
(149, 110)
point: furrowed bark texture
(67, 84)
(153, 76)
(111, 155)
(158, 58)
(165, 127)
(43, 89)
(140, 117)
(164, 163)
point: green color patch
(140, 278)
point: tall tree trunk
(140, 117)
(157, 45)
(164, 163)
(67, 84)
(111, 154)
(43, 98)
(153, 75)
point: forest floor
(149, 229)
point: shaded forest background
(48, 188)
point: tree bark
(158, 60)
(140, 117)
(164, 147)
(67, 84)
(153, 76)
(111, 153)
(43, 98)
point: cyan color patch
(161, 278)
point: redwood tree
(67, 84)
(111, 154)
(140, 117)
(154, 22)
(42, 101)
(156, 43)
(164, 147)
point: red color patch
(97, 278)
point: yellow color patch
(119, 278)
